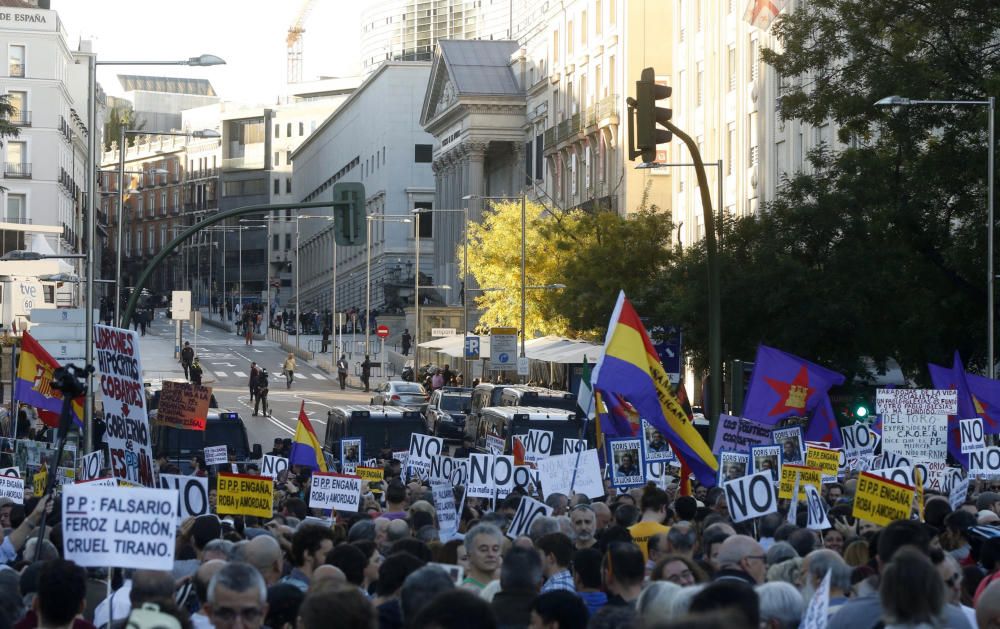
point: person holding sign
(13, 543)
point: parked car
(400, 393)
(447, 411)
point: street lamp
(368, 272)
(298, 295)
(990, 104)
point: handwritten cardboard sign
(184, 405)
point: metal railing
(17, 170)
(20, 118)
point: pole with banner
(585, 400)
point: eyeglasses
(249, 615)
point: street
(226, 360)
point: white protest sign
(859, 441)
(959, 492)
(503, 475)
(817, 613)
(335, 491)
(526, 479)
(935, 474)
(793, 503)
(65, 475)
(192, 494)
(902, 475)
(527, 510)
(537, 445)
(985, 463)
(124, 402)
(106, 527)
(480, 476)
(12, 472)
(448, 469)
(105, 481)
(12, 487)
(271, 465)
(972, 434)
(817, 510)
(751, 496)
(216, 455)
(915, 421)
(556, 473)
(572, 445)
(494, 444)
(91, 465)
(444, 503)
(422, 448)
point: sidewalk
(157, 352)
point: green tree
(120, 116)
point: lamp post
(91, 226)
(368, 272)
(990, 104)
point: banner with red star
(784, 385)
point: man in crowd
(654, 511)
(237, 597)
(310, 546)
(557, 552)
(483, 544)
(584, 522)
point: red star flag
(784, 385)
(761, 13)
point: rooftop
(164, 84)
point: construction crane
(294, 41)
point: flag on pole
(784, 385)
(306, 449)
(585, 396)
(33, 385)
(954, 377)
(760, 13)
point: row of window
(579, 32)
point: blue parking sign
(472, 348)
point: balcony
(20, 118)
(17, 170)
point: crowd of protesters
(643, 557)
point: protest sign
(627, 464)
(183, 405)
(739, 435)
(11, 472)
(817, 614)
(39, 481)
(244, 494)
(446, 468)
(494, 444)
(858, 440)
(350, 453)
(121, 528)
(537, 445)
(192, 494)
(573, 445)
(790, 440)
(556, 473)
(972, 434)
(766, 459)
(526, 480)
(106, 481)
(444, 504)
(751, 496)
(422, 448)
(825, 460)
(807, 476)
(733, 465)
(985, 463)
(817, 510)
(91, 465)
(124, 402)
(480, 476)
(915, 421)
(659, 472)
(369, 475)
(216, 455)
(880, 500)
(335, 491)
(503, 475)
(271, 465)
(936, 475)
(655, 447)
(65, 475)
(12, 487)
(527, 510)
(959, 492)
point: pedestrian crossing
(277, 377)
(240, 374)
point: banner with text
(915, 421)
(880, 500)
(183, 405)
(335, 491)
(245, 494)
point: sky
(248, 34)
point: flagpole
(13, 390)
(586, 424)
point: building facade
(375, 139)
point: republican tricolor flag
(630, 373)
(306, 449)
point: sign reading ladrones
(124, 402)
(335, 491)
(244, 494)
(123, 528)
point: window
(19, 101)
(529, 157)
(302, 129)
(612, 18)
(277, 130)
(177, 199)
(539, 163)
(15, 208)
(15, 60)
(288, 241)
(277, 158)
(731, 67)
(288, 185)
(700, 86)
(128, 243)
(426, 218)
(288, 130)
(140, 205)
(730, 140)
(163, 235)
(152, 204)
(583, 28)
(597, 17)
(163, 202)
(138, 242)
(151, 241)
(752, 56)
(555, 46)
(569, 39)
(17, 153)
(423, 153)
(275, 242)
(288, 158)
(277, 186)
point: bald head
(988, 605)
(743, 553)
(397, 530)
(149, 586)
(264, 553)
(602, 514)
(204, 576)
(327, 576)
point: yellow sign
(243, 494)
(880, 500)
(39, 481)
(370, 475)
(807, 476)
(823, 459)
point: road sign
(382, 331)
(180, 305)
(436, 332)
(472, 348)
(523, 366)
(503, 348)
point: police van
(383, 429)
(500, 423)
(222, 427)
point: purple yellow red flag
(630, 372)
(954, 377)
(784, 385)
(306, 449)
(33, 385)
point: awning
(569, 354)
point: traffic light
(648, 115)
(862, 412)
(348, 213)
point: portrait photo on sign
(790, 440)
(627, 464)
(733, 465)
(656, 447)
(766, 459)
(351, 449)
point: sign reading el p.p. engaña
(124, 401)
(527, 510)
(12, 487)
(751, 496)
(118, 527)
(335, 491)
